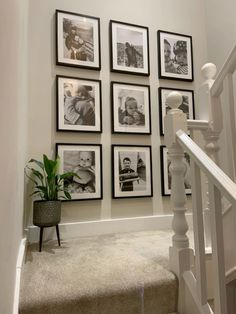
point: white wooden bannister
(216, 105)
(212, 111)
(222, 90)
(177, 141)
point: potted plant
(49, 187)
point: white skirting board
(19, 263)
(89, 228)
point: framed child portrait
(175, 56)
(86, 161)
(77, 40)
(187, 105)
(132, 171)
(129, 48)
(166, 175)
(79, 105)
(131, 111)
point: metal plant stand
(41, 236)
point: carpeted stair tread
(108, 274)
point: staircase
(129, 274)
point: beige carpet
(110, 274)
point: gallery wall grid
(79, 101)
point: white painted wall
(13, 101)
(221, 37)
(220, 29)
(186, 17)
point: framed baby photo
(86, 161)
(79, 104)
(132, 171)
(131, 110)
(129, 48)
(166, 175)
(77, 40)
(175, 56)
(187, 105)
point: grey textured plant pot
(46, 213)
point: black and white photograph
(86, 162)
(130, 108)
(77, 40)
(166, 175)
(175, 56)
(132, 171)
(79, 104)
(129, 48)
(187, 105)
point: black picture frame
(86, 161)
(187, 106)
(175, 56)
(129, 48)
(136, 180)
(79, 104)
(131, 108)
(165, 173)
(78, 40)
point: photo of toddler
(131, 115)
(85, 182)
(80, 108)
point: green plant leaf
(29, 177)
(37, 174)
(48, 165)
(67, 175)
(48, 182)
(67, 194)
(39, 163)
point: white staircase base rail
(191, 283)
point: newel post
(211, 136)
(214, 112)
(180, 253)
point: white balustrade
(219, 185)
(210, 134)
(207, 218)
(178, 142)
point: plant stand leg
(58, 235)
(40, 238)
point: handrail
(215, 174)
(198, 124)
(228, 67)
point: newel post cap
(174, 100)
(175, 119)
(208, 71)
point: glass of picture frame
(78, 40)
(187, 105)
(166, 175)
(86, 161)
(129, 48)
(175, 56)
(132, 171)
(79, 104)
(131, 110)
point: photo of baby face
(85, 159)
(84, 162)
(132, 107)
